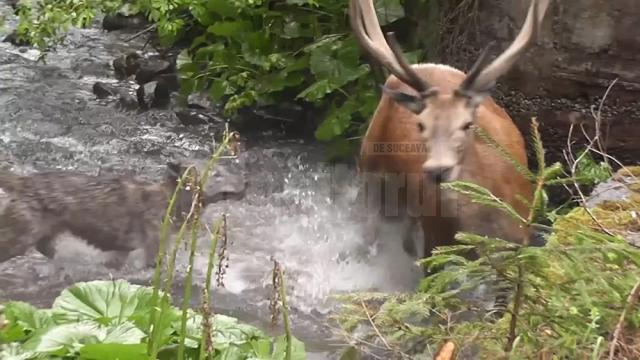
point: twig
(375, 328)
(632, 300)
(141, 32)
(598, 118)
(574, 166)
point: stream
(298, 209)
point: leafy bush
(570, 296)
(247, 52)
(110, 320)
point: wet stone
(13, 39)
(126, 65)
(199, 101)
(119, 22)
(150, 68)
(103, 90)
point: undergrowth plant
(570, 296)
(113, 319)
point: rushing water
(298, 209)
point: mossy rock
(618, 212)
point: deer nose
(438, 174)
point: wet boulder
(103, 90)
(199, 101)
(171, 81)
(155, 94)
(150, 68)
(121, 21)
(126, 65)
(225, 183)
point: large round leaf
(69, 338)
(105, 302)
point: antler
(366, 27)
(479, 79)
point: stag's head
(443, 118)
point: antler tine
(365, 25)
(412, 77)
(476, 68)
(503, 63)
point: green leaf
(223, 8)
(316, 91)
(336, 122)
(114, 352)
(23, 319)
(590, 172)
(388, 11)
(231, 29)
(105, 302)
(280, 347)
(262, 348)
(68, 338)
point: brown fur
(481, 164)
(112, 213)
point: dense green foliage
(248, 52)
(110, 320)
(569, 295)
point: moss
(617, 216)
(628, 171)
(635, 187)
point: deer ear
(413, 103)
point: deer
(430, 112)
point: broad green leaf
(278, 81)
(105, 302)
(337, 120)
(73, 336)
(114, 351)
(316, 91)
(262, 348)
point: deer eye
(467, 126)
(420, 127)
